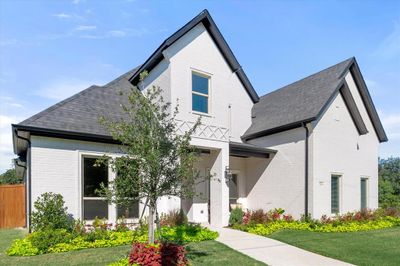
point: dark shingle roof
(298, 102)
(81, 112)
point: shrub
(258, 217)
(43, 240)
(187, 233)
(158, 254)
(121, 225)
(173, 218)
(22, 247)
(236, 216)
(50, 213)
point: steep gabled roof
(305, 100)
(205, 18)
(79, 114)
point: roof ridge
(351, 59)
(123, 76)
(57, 105)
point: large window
(335, 208)
(200, 93)
(364, 187)
(93, 175)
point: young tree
(156, 161)
(10, 177)
(389, 182)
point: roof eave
(38, 131)
(279, 129)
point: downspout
(28, 188)
(306, 212)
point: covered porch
(226, 176)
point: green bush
(236, 216)
(173, 218)
(187, 233)
(22, 247)
(43, 240)
(50, 213)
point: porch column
(219, 189)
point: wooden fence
(12, 206)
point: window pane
(363, 193)
(93, 208)
(131, 212)
(93, 177)
(233, 190)
(199, 103)
(199, 84)
(335, 194)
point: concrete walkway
(270, 251)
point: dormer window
(200, 93)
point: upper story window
(200, 93)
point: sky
(50, 50)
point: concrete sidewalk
(270, 251)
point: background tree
(10, 177)
(156, 161)
(389, 182)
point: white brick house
(309, 147)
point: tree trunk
(151, 225)
(158, 226)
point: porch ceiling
(248, 150)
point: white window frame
(208, 96)
(111, 210)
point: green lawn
(202, 253)
(379, 247)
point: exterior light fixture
(228, 173)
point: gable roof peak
(205, 18)
(305, 100)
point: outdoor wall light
(228, 173)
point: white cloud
(390, 46)
(8, 102)
(85, 28)
(76, 2)
(9, 42)
(6, 146)
(62, 15)
(62, 89)
(117, 33)
(391, 123)
(121, 33)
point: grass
(379, 247)
(215, 253)
(201, 253)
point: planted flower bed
(56, 232)
(265, 223)
(60, 240)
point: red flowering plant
(158, 254)
(288, 218)
(246, 218)
(258, 217)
